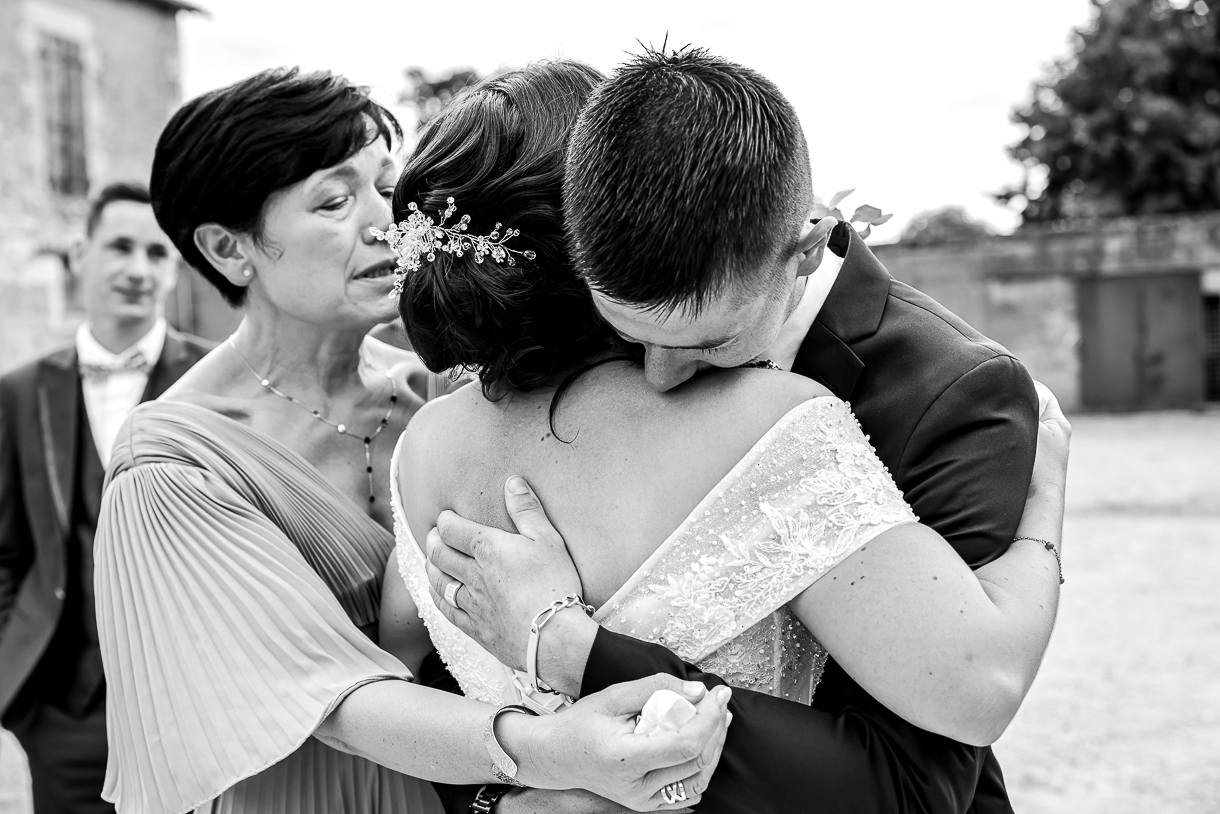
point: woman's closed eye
(334, 204)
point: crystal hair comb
(420, 237)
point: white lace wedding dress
(807, 495)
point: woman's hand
(1043, 516)
(592, 745)
(1054, 439)
(506, 579)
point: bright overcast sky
(906, 101)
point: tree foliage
(949, 224)
(429, 96)
(1130, 123)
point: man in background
(59, 416)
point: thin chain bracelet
(1049, 546)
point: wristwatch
(485, 801)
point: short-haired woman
(246, 524)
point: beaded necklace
(340, 428)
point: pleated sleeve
(224, 650)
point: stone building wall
(1025, 290)
(129, 51)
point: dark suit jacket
(954, 417)
(38, 447)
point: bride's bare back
(631, 466)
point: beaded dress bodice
(806, 496)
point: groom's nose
(666, 368)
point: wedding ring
(451, 593)
(674, 793)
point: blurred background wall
(86, 87)
(1114, 314)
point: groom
(687, 198)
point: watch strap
(485, 801)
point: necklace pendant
(341, 428)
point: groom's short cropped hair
(687, 177)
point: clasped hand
(592, 745)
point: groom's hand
(506, 580)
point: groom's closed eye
(706, 347)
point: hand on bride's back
(506, 578)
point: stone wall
(1021, 289)
(130, 55)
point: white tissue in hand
(665, 711)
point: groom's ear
(811, 245)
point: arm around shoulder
(950, 650)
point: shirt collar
(91, 352)
(792, 333)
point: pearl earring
(247, 273)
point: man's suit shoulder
(26, 374)
(938, 337)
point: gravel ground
(1125, 715)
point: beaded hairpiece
(419, 236)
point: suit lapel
(827, 359)
(173, 362)
(852, 311)
(59, 420)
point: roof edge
(173, 6)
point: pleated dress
(232, 581)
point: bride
(708, 518)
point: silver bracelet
(531, 647)
(1049, 546)
(502, 766)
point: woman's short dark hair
(224, 153)
(498, 151)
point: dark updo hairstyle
(223, 154)
(498, 151)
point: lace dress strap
(810, 493)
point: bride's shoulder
(441, 426)
(741, 406)
(766, 394)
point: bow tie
(136, 363)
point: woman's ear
(76, 254)
(222, 247)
